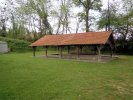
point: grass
(23, 77)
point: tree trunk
(77, 27)
(87, 18)
(59, 23)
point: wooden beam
(34, 51)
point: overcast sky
(103, 1)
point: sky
(103, 1)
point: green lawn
(23, 77)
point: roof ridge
(80, 33)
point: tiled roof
(89, 38)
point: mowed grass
(23, 77)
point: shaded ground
(23, 77)
(85, 57)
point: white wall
(3, 47)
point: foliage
(3, 33)
(16, 45)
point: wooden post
(111, 44)
(68, 48)
(95, 50)
(34, 51)
(111, 52)
(99, 52)
(77, 52)
(46, 53)
(81, 48)
(60, 51)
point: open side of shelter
(95, 39)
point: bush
(16, 45)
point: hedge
(16, 44)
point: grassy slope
(23, 77)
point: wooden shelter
(96, 39)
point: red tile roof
(87, 38)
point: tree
(37, 11)
(121, 22)
(3, 20)
(63, 15)
(87, 6)
(109, 17)
(41, 8)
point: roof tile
(73, 39)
